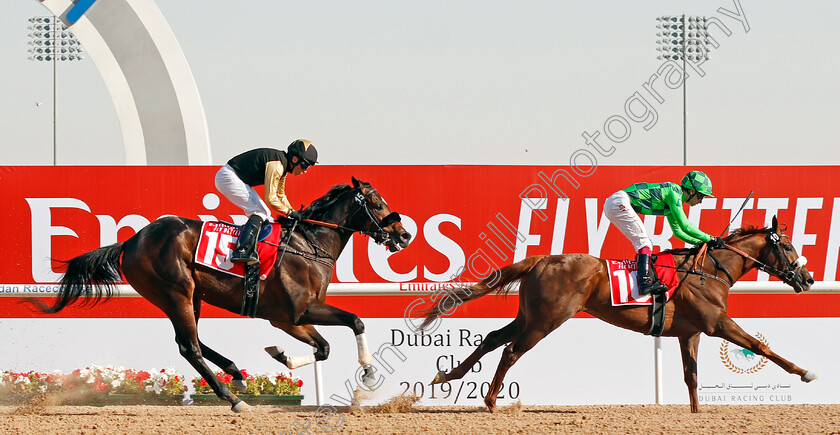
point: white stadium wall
(585, 361)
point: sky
(466, 82)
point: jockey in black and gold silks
(268, 167)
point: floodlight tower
(683, 37)
(52, 41)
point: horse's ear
(356, 182)
(775, 224)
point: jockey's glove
(295, 214)
(716, 242)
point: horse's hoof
(808, 377)
(276, 352)
(440, 378)
(240, 407)
(240, 385)
(369, 379)
(490, 402)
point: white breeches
(241, 194)
(620, 212)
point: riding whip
(286, 245)
(725, 230)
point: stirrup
(244, 257)
(652, 288)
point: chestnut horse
(159, 264)
(553, 288)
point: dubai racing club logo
(742, 361)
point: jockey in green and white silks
(663, 199)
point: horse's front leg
(319, 313)
(216, 358)
(688, 348)
(729, 330)
(490, 343)
(188, 346)
(306, 334)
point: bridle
(791, 269)
(380, 236)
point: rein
(700, 256)
(789, 272)
(321, 223)
(361, 200)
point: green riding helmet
(698, 181)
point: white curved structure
(153, 90)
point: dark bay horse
(553, 288)
(159, 264)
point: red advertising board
(472, 217)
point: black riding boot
(646, 283)
(246, 246)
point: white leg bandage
(293, 362)
(364, 353)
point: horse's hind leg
(528, 339)
(216, 358)
(490, 343)
(319, 313)
(729, 330)
(186, 335)
(688, 348)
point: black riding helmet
(305, 152)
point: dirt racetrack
(646, 419)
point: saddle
(214, 249)
(623, 287)
(251, 295)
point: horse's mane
(746, 231)
(324, 203)
(735, 234)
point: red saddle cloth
(624, 287)
(218, 240)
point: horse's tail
(93, 275)
(501, 280)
